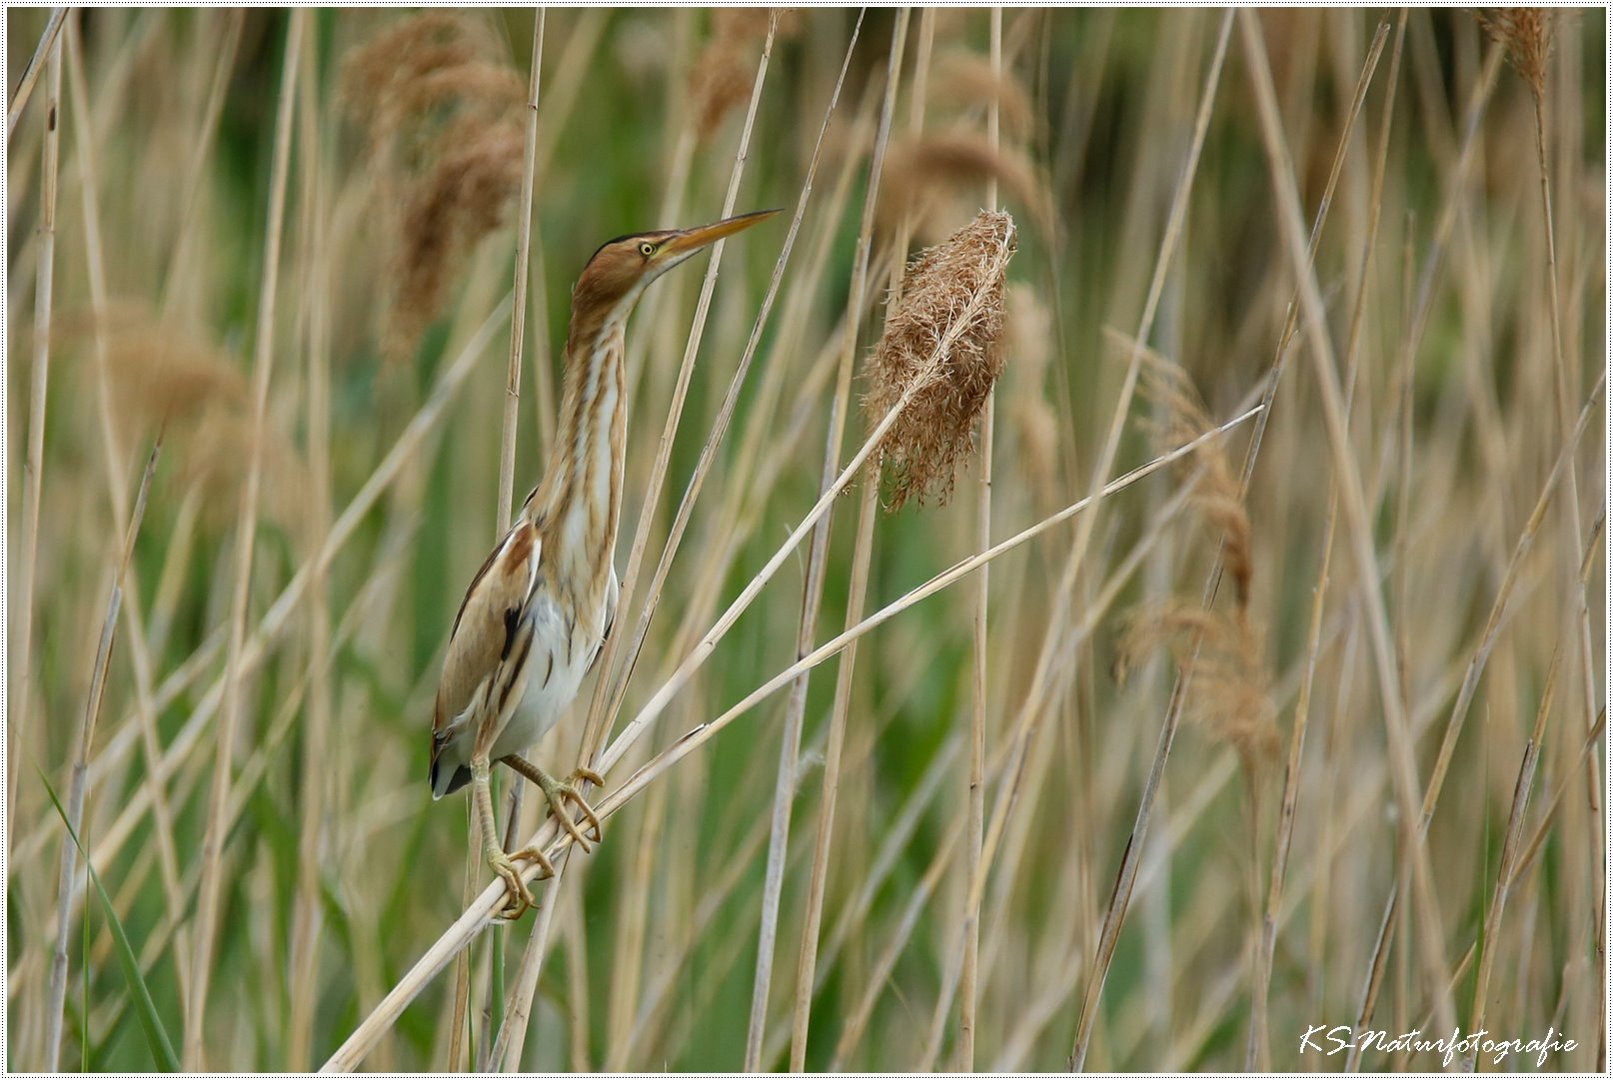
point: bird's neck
(580, 499)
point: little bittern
(537, 612)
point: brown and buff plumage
(536, 614)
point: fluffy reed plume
(159, 374)
(165, 379)
(919, 172)
(1223, 656)
(394, 80)
(964, 81)
(945, 337)
(1527, 34)
(442, 122)
(722, 74)
(459, 201)
(1216, 491)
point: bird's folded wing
(491, 635)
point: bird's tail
(448, 772)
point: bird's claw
(518, 898)
(557, 792)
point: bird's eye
(646, 249)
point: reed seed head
(919, 172)
(1217, 494)
(441, 117)
(942, 346)
(1527, 35)
(1223, 656)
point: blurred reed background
(313, 214)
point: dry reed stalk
(1505, 875)
(206, 135)
(212, 854)
(307, 921)
(1528, 35)
(33, 476)
(44, 52)
(478, 915)
(1258, 1050)
(1111, 443)
(523, 250)
(1469, 687)
(140, 651)
(504, 506)
(577, 985)
(1526, 858)
(86, 736)
(975, 833)
(786, 780)
(1357, 521)
(806, 961)
(1475, 111)
(596, 723)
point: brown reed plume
(443, 128)
(1225, 655)
(945, 333)
(921, 171)
(1221, 653)
(161, 374)
(167, 379)
(1527, 34)
(1216, 492)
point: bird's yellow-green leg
(520, 897)
(558, 791)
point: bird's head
(623, 268)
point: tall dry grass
(1278, 439)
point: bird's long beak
(688, 241)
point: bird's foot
(558, 791)
(519, 897)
